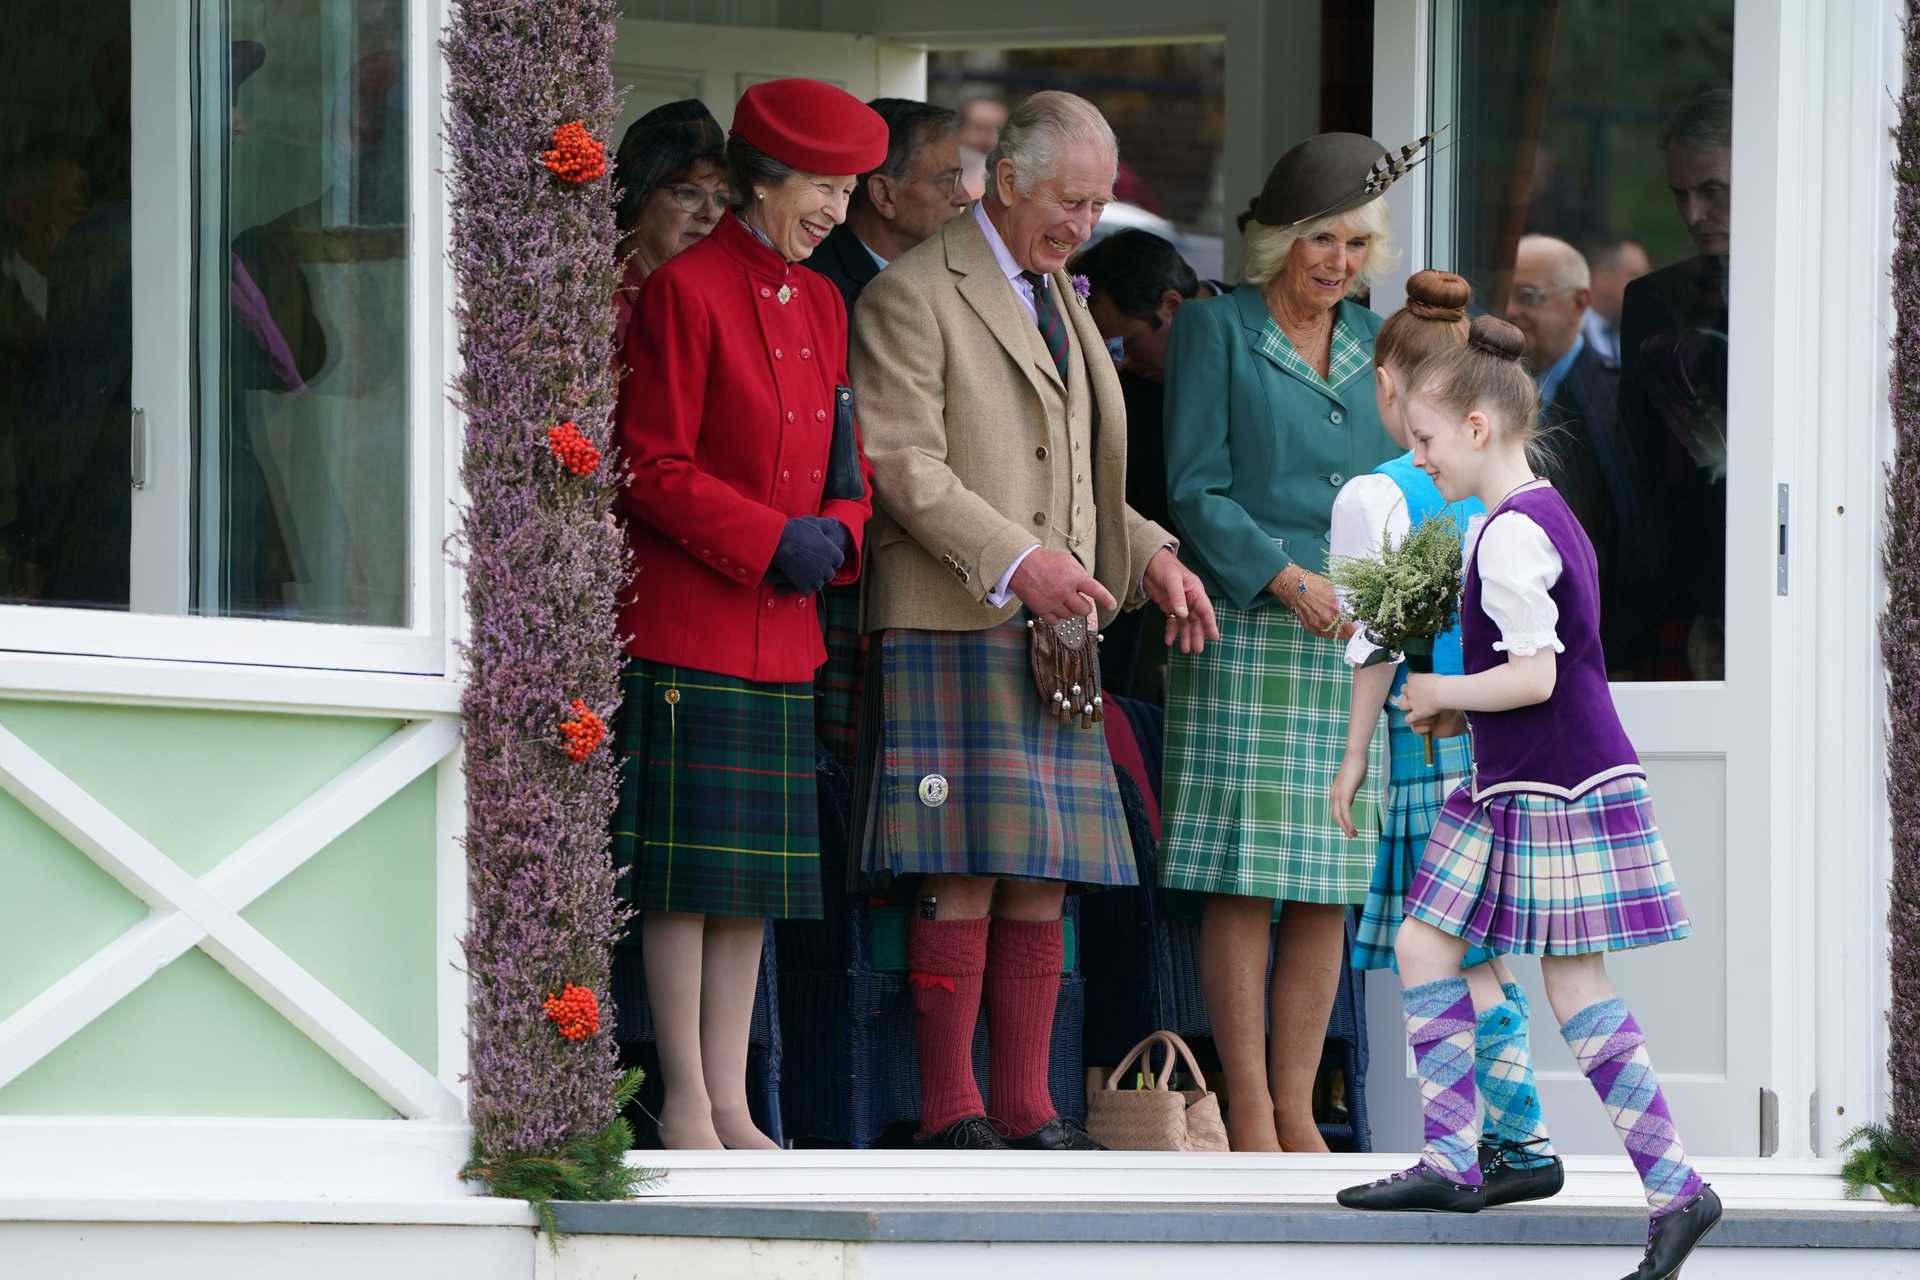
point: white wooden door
(1704, 1003)
(662, 62)
(160, 465)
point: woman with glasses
(670, 184)
(745, 495)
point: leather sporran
(1066, 668)
(1157, 1118)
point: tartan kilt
(1256, 729)
(1026, 797)
(1415, 794)
(1539, 875)
(718, 813)
(837, 684)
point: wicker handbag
(1157, 1118)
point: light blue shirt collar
(1556, 373)
(878, 261)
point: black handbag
(844, 483)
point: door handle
(137, 461)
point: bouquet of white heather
(1408, 595)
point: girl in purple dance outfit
(1550, 847)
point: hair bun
(1438, 295)
(1496, 337)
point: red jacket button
(765, 292)
(785, 476)
(789, 415)
(806, 353)
(776, 353)
(816, 475)
(769, 602)
(819, 415)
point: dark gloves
(811, 551)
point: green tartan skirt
(1256, 728)
(718, 810)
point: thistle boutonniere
(1082, 288)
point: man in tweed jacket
(994, 422)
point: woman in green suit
(1269, 409)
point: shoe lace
(1511, 1153)
(981, 1131)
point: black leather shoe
(975, 1133)
(1509, 1174)
(1671, 1237)
(1421, 1189)
(1057, 1134)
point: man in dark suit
(1137, 282)
(901, 203)
(1579, 391)
(914, 193)
(1663, 617)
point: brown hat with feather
(1329, 174)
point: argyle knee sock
(945, 959)
(1023, 985)
(1503, 1072)
(1440, 1030)
(1612, 1052)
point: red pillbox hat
(811, 126)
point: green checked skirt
(718, 810)
(1256, 728)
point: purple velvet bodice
(1573, 741)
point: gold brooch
(786, 294)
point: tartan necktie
(1053, 325)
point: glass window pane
(1583, 186)
(203, 308)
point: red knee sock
(1023, 985)
(944, 962)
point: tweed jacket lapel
(990, 294)
(1088, 344)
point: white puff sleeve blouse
(1368, 509)
(1518, 569)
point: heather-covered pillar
(1892, 1152)
(533, 253)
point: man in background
(981, 119)
(1663, 619)
(1615, 264)
(913, 193)
(1579, 391)
(908, 198)
(1138, 284)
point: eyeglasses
(1528, 296)
(692, 199)
(947, 183)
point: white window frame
(43, 649)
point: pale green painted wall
(192, 1040)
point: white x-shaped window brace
(186, 912)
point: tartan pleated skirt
(1416, 792)
(718, 812)
(965, 773)
(836, 686)
(1256, 729)
(1539, 875)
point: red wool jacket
(724, 422)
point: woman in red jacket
(746, 494)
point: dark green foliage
(1884, 1161)
(1411, 593)
(590, 1167)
